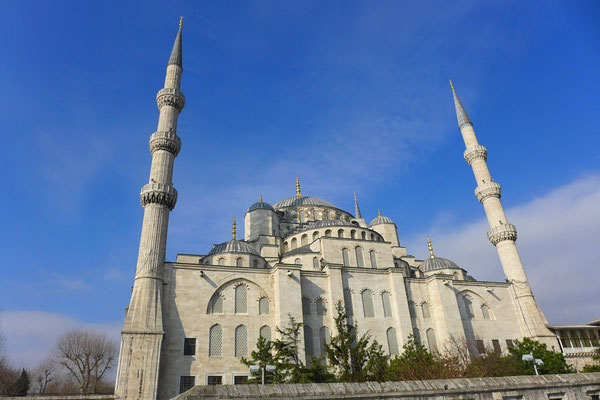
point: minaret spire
(357, 213)
(502, 234)
(298, 194)
(430, 248)
(234, 229)
(142, 334)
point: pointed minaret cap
(298, 194)
(357, 213)
(176, 57)
(461, 114)
(233, 229)
(430, 248)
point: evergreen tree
(288, 364)
(22, 384)
(594, 367)
(263, 356)
(554, 362)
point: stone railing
(474, 152)
(163, 140)
(500, 233)
(170, 97)
(486, 190)
(65, 397)
(571, 386)
(158, 193)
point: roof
(322, 224)
(380, 219)
(261, 205)
(433, 263)
(233, 246)
(302, 201)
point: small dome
(233, 246)
(380, 219)
(433, 263)
(261, 205)
(302, 201)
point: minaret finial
(260, 198)
(461, 114)
(181, 21)
(379, 213)
(430, 248)
(233, 228)
(176, 57)
(357, 213)
(298, 194)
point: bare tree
(43, 374)
(87, 356)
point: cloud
(557, 239)
(31, 335)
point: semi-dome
(261, 205)
(233, 246)
(380, 219)
(433, 263)
(302, 201)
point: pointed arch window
(417, 335)
(485, 311)
(315, 262)
(353, 234)
(321, 308)
(328, 232)
(241, 341)
(239, 262)
(308, 341)
(431, 339)
(412, 309)
(241, 299)
(294, 243)
(304, 240)
(345, 259)
(298, 261)
(263, 306)
(215, 342)
(348, 302)
(221, 261)
(392, 340)
(373, 257)
(315, 236)
(324, 338)
(315, 214)
(305, 306)
(425, 310)
(387, 305)
(359, 257)
(340, 233)
(215, 306)
(367, 299)
(265, 332)
(363, 235)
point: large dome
(233, 246)
(433, 263)
(302, 201)
(380, 219)
(321, 224)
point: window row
(215, 341)
(341, 233)
(468, 306)
(304, 216)
(215, 305)
(320, 306)
(425, 310)
(367, 303)
(358, 257)
(574, 338)
(241, 262)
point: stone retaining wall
(66, 397)
(546, 387)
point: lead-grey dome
(380, 219)
(322, 224)
(233, 246)
(433, 263)
(261, 205)
(302, 201)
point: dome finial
(430, 247)
(379, 213)
(298, 194)
(260, 198)
(233, 228)
(181, 21)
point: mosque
(189, 321)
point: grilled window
(214, 380)
(359, 257)
(509, 343)
(425, 310)
(348, 302)
(324, 338)
(241, 299)
(265, 332)
(240, 379)
(387, 307)
(373, 257)
(392, 340)
(215, 343)
(263, 306)
(241, 341)
(321, 309)
(216, 304)
(308, 341)
(496, 344)
(417, 335)
(189, 346)
(412, 309)
(345, 257)
(431, 339)
(186, 383)
(367, 299)
(480, 346)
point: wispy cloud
(558, 234)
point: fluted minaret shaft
(137, 375)
(502, 234)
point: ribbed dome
(261, 205)
(302, 201)
(380, 219)
(233, 246)
(322, 224)
(434, 263)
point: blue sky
(350, 96)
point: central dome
(433, 263)
(302, 201)
(233, 246)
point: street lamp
(255, 368)
(534, 361)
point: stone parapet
(163, 140)
(170, 97)
(486, 190)
(473, 153)
(158, 193)
(500, 233)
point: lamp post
(534, 361)
(268, 368)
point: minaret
(357, 214)
(137, 374)
(502, 234)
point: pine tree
(22, 384)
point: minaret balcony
(473, 153)
(487, 189)
(163, 140)
(170, 97)
(500, 233)
(158, 193)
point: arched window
(305, 306)
(215, 306)
(328, 232)
(263, 306)
(412, 309)
(363, 235)
(324, 338)
(432, 340)
(221, 261)
(396, 264)
(373, 258)
(353, 234)
(340, 233)
(367, 299)
(359, 257)
(304, 240)
(348, 302)
(265, 332)
(298, 261)
(241, 341)
(392, 340)
(345, 260)
(241, 297)
(321, 308)
(308, 341)
(315, 262)
(387, 306)
(215, 341)
(485, 311)
(417, 335)
(372, 236)
(239, 262)
(255, 263)
(301, 215)
(425, 310)
(286, 247)
(315, 236)
(315, 214)
(468, 306)
(294, 243)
